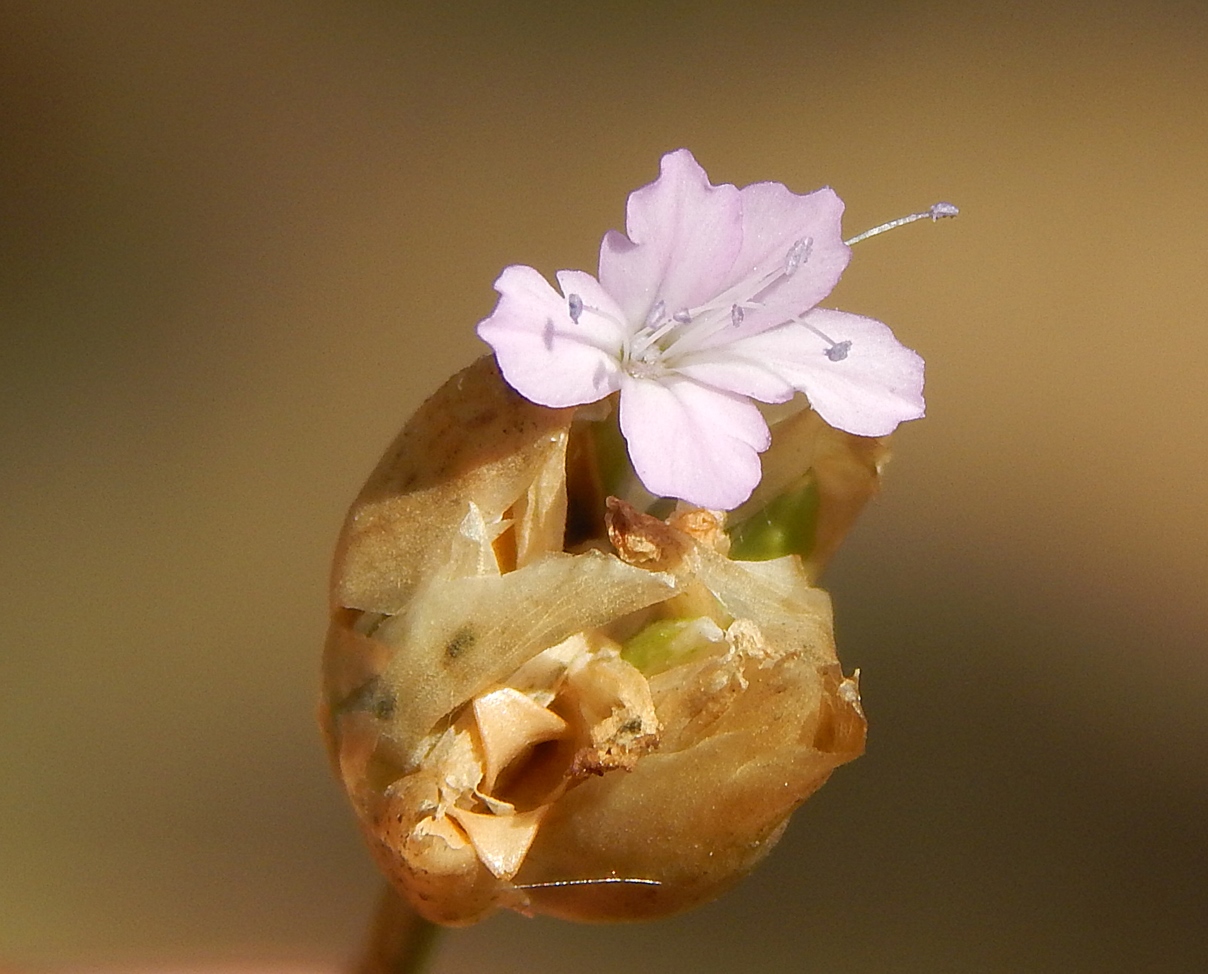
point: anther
(933, 213)
(682, 317)
(838, 351)
(656, 313)
(798, 254)
(574, 306)
(736, 315)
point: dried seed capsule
(531, 685)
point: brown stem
(400, 940)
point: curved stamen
(748, 291)
(645, 339)
(836, 351)
(576, 308)
(935, 212)
(592, 309)
(729, 307)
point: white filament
(935, 212)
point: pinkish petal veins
(692, 442)
(683, 236)
(543, 354)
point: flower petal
(683, 236)
(603, 321)
(875, 386)
(543, 353)
(726, 369)
(692, 442)
(777, 222)
(774, 219)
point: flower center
(663, 337)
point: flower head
(707, 302)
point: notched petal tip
(693, 442)
(546, 352)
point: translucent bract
(540, 696)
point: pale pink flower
(706, 303)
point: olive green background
(240, 242)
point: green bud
(667, 643)
(786, 526)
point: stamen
(649, 336)
(935, 212)
(798, 254)
(656, 313)
(838, 351)
(574, 306)
(606, 316)
(682, 317)
(747, 292)
(710, 318)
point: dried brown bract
(529, 683)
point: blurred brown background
(240, 242)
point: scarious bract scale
(526, 687)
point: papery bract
(707, 302)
